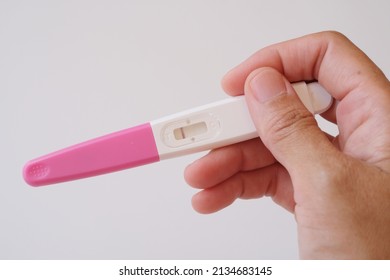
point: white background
(74, 70)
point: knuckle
(333, 35)
(286, 124)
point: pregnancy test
(203, 128)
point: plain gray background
(74, 70)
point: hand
(338, 188)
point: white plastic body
(221, 123)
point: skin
(337, 188)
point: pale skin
(337, 188)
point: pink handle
(113, 152)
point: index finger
(328, 57)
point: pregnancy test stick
(203, 128)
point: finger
(330, 114)
(286, 127)
(222, 163)
(271, 181)
(328, 57)
(356, 83)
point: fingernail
(267, 85)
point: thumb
(284, 125)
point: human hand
(338, 188)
